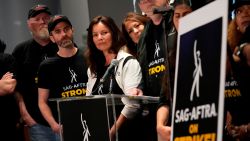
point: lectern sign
(84, 120)
(200, 75)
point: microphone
(109, 71)
(163, 10)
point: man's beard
(43, 34)
(66, 43)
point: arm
(242, 53)
(163, 131)
(7, 84)
(128, 82)
(121, 120)
(131, 78)
(244, 47)
(91, 82)
(43, 95)
(135, 92)
(23, 111)
(246, 53)
(238, 132)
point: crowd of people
(50, 65)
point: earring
(238, 28)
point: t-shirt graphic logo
(197, 73)
(86, 132)
(73, 75)
(157, 49)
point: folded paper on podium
(90, 118)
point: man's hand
(7, 84)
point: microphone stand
(111, 84)
(113, 102)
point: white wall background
(13, 14)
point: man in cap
(158, 44)
(180, 9)
(29, 54)
(68, 70)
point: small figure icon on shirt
(157, 49)
(73, 75)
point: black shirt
(29, 55)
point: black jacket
(170, 49)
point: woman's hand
(135, 92)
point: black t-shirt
(156, 60)
(64, 77)
(28, 56)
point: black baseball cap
(239, 3)
(37, 9)
(57, 19)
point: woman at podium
(112, 70)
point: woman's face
(102, 37)
(134, 29)
(179, 12)
(243, 17)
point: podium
(89, 118)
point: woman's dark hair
(96, 57)
(132, 16)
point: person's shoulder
(50, 61)
(4, 56)
(23, 45)
(123, 52)
(124, 55)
